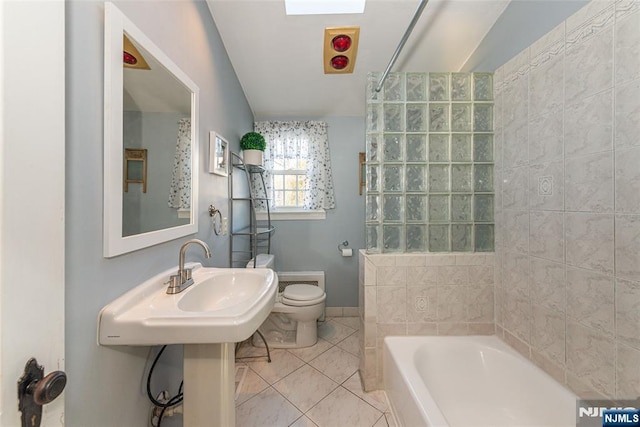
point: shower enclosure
(430, 163)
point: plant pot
(252, 157)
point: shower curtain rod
(407, 33)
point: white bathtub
(470, 381)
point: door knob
(35, 390)
(47, 389)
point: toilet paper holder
(343, 245)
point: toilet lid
(301, 292)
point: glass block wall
(430, 163)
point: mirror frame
(116, 24)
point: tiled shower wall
(421, 294)
(568, 201)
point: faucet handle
(174, 284)
(187, 273)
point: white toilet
(293, 320)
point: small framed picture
(218, 154)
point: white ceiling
(278, 58)
(155, 90)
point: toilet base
(282, 332)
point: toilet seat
(300, 295)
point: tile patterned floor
(315, 386)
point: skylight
(323, 7)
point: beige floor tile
(268, 408)
(333, 331)
(305, 387)
(282, 364)
(391, 420)
(248, 350)
(382, 422)
(342, 408)
(336, 363)
(352, 322)
(376, 398)
(351, 344)
(303, 421)
(252, 385)
(309, 353)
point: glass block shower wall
(430, 163)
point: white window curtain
(311, 140)
(180, 191)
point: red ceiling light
(129, 58)
(341, 43)
(340, 49)
(339, 62)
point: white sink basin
(223, 305)
(209, 295)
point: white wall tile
(628, 372)
(546, 235)
(516, 231)
(627, 114)
(589, 241)
(548, 284)
(451, 303)
(548, 333)
(590, 357)
(453, 275)
(517, 316)
(628, 247)
(481, 275)
(627, 176)
(627, 41)
(391, 276)
(515, 187)
(588, 183)
(588, 125)
(479, 302)
(545, 81)
(628, 312)
(547, 131)
(392, 304)
(589, 65)
(516, 273)
(419, 276)
(590, 299)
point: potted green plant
(252, 145)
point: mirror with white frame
(151, 106)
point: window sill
(292, 214)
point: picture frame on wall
(218, 154)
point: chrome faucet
(182, 279)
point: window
(298, 167)
(288, 180)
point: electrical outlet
(225, 226)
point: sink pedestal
(209, 385)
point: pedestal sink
(222, 307)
